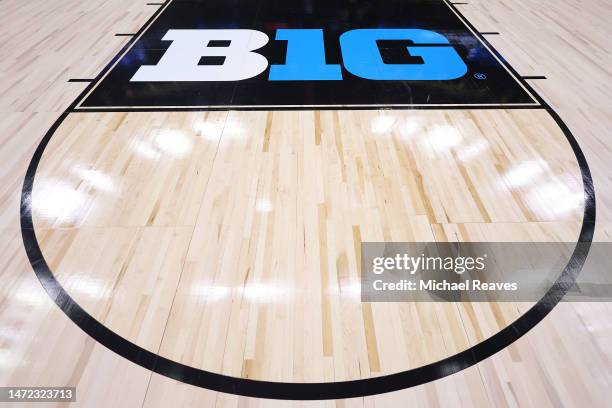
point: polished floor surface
(248, 265)
(228, 241)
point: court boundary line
(308, 108)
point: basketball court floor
(189, 188)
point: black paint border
(310, 391)
(78, 105)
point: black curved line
(306, 391)
(310, 391)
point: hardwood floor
(228, 241)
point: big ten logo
(230, 55)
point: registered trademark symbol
(480, 75)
